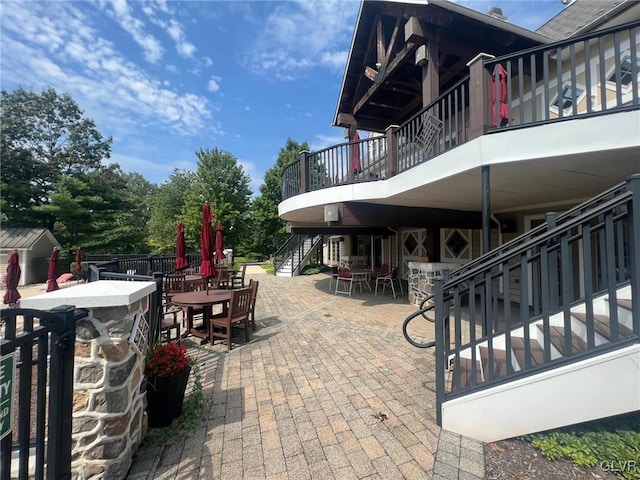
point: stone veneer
(109, 420)
(421, 276)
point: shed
(34, 246)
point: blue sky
(166, 78)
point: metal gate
(36, 391)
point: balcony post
(304, 171)
(633, 185)
(392, 150)
(479, 96)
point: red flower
(166, 360)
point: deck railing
(590, 75)
(590, 256)
(586, 75)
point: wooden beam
(370, 73)
(408, 49)
(379, 41)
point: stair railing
(296, 245)
(588, 254)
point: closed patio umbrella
(52, 284)
(501, 111)
(219, 243)
(11, 296)
(207, 245)
(181, 248)
(78, 260)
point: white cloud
(213, 85)
(122, 14)
(74, 58)
(301, 35)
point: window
(567, 98)
(625, 72)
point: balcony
(587, 77)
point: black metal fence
(296, 248)
(137, 264)
(41, 346)
(154, 309)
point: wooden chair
(237, 315)
(253, 286)
(221, 280)
(237, 280)
(345, 279)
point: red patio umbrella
(207, 246)
(11, 296)
(78, 260)
(501, 114)
(356, 165)
(219, 243)
(181, 248)
(52, 284)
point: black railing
(291, 180)
(296, 248)
(154, 311)
(587, 75)
(141, 264)
(551, 282)
(42, 346)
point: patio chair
(237, 280)
(426, 135)
(237, 316)
(334, 275)
(390, 280)
(253, 285)
(345, 279)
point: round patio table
(201, 299)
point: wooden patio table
(201, 299)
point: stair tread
(557, 340)
(624, 303)
(499, 361)
(536, 351)
(464, 373)
(601, 325)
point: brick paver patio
(327, 389)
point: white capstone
(103, 293)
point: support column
(486, 210)
(430, 75)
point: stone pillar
(109, 419)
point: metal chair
(389, 281)
(345, 278)
(334, 275)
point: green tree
(222, 181)
(167, 210)
(44, 136)
(268, 230)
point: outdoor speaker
(331, 213)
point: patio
(326, 388)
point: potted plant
(167, 368)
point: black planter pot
(165, 396)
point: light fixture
(378, 65)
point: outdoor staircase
(544, 331)
(295, 254)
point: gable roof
(581, 16)
(23, 238)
